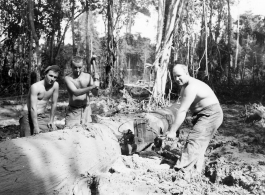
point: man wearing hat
(36, 120)
(78, 85)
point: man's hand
(94, 90)
(52, 126)
(170, 135)
(93, 87)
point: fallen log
(52, 163)
(59, 162)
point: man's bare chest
(80, 83)
(45, 94)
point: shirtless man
(78, 85)
(35, 120)
(199, 98)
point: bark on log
(54, 162)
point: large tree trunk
(87, 39)
(129, 25)
(35, 37)
(206, 38)
(63, 162)
(237, 40)
(54, 162)
(166, 26)
(111, 45)
(219, 18)
(73, 26)
(229, 34)
(30, 59)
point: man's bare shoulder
(68, 77)
(193, 84)
(86, 75)
(38, 86)
(197, 83)
(55, 84)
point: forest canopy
(224, 51)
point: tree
(229, 38)
(111, 56)
(87, 38)
(169, 12)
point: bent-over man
(207, 117)
(78, 85)
(36, 120)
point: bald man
(78, 85)
(199, 98)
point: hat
(55, 68)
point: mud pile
(136, 175)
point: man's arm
(33, 107)
(187, 99)
(72, 88)
(54, 99)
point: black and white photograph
(132, 97)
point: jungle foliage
(226, 52)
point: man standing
(78, 85)
(35, 120)
(207, 118)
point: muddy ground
(235, 158)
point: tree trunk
(193, 44)
(253, 68)
(161, 13)
(61, 41)
(218, 26)
(87, 40)
(241, 70)
(111, 47)
(129, 25)
(54, 162)
(35, 37)
(206, 38)
(52, 59)
(229, 34)
(237, 40)
(73, 26)
(30, 59)
(169, 23)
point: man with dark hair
(35, 120)
(78, 85)
(199, 98)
